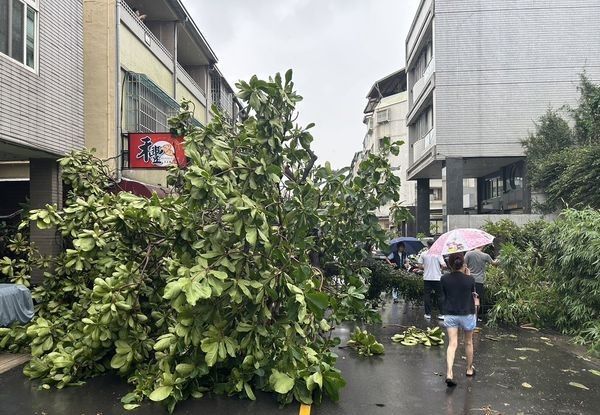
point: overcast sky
(337, 49)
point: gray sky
(337, 49)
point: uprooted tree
(229, 284)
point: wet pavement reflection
(405, 380)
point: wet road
(410, 380)
(406, 380)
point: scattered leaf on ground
(595, 372)
(530, 328)
(545, 338)
(523, 357)
(579, 385)
(511, 360)
(568, 371)
(130, 406)
(526, 385)
(527, 349)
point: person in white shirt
(432, 266)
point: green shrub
(550, 276)
(506, 231)
(519, 290)
(385, 278)
(572, 252)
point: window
(147, 108)
(18, 30)
(221, 96)
(424, 123)
(383, 116)
(422, 61)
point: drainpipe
(207, 93)
(118, 90)
(175, 43)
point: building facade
(385, 116)
(142, 58)
(479, 75)
(41, 102)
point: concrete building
(479, 74)
(142, 58)
(41, 102)
(385, 116)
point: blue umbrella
(412, 245)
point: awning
(139, 188)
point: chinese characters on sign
(155, 150)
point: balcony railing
(132, 20)
(421, 84)
(187, 80)
(423, 145)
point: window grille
(220, 96)
(147, 107)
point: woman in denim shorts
(459, 308)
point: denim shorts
(467, 323)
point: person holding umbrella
(458, 288)
(399, 260)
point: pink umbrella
(460, 240)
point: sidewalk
(406, 380)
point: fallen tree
(219, 285)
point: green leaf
(211, 349)
(249, 392)
(219, 274)
(251, 234)
(184, 369)
(118, 361)
(314, 379)
(161, 393)
(172, 290)
(317, 303)
(130, 406)
(196, 291)
(280, 382)
(85, 244)
(579, 385)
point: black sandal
(472, 374)
(450, 383)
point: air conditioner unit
(383, 116)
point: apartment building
(385, 116)
(142, 58)
(480, 73)
(41, 102)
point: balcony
(423, 82)
(422, 146)
(143, 52)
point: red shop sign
(155, 151)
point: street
(405, 380)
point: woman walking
(459, 307)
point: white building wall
(500, 65)
(396, 130)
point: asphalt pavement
(518, 372)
